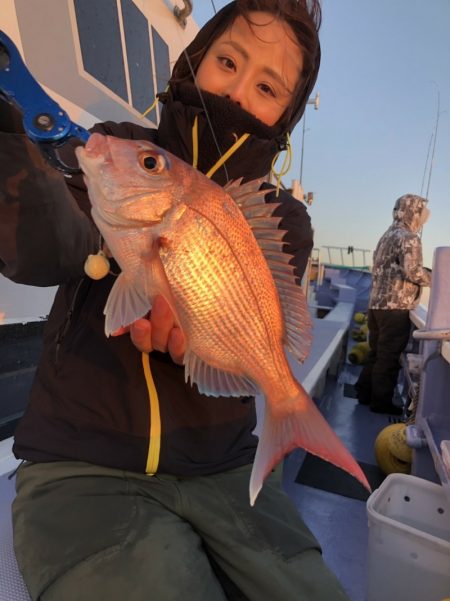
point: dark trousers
(84, 532)
(389, 331)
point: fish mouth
(95, 152)
(97, 145)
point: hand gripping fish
(216, 256)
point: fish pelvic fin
(293, 424)
(125, 304)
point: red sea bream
(216, 255)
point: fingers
(177, 345)
(141, 335)
(162, 323)
(159, 333)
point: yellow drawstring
(152, 106)
(154, 445)
(195, 143)
(154, 441)
(227, 155)
(284, 168)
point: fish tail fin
(293, 424)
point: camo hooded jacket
(397, 273)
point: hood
(182, 103)
(214, 28)
(408, 211)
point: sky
(384, 65)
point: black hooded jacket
(90, 400)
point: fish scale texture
(223, 286)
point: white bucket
(409, 541)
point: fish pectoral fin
(125, 304)
(216, 382)
(298, 423)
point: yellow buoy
(359, 352)
(387, 461)
(359, 317)
(397, 444)
(356, 334)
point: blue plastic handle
(44, 121)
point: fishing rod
(434, 138)
(426, 164)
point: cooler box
(409, 541)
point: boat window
(162, 62)
(136, 30)
(100, 42)
(109, 59)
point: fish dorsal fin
(215, 382)
(259, 215)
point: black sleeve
(46, 229)
(10, 118)
(44, 236)
(297, 223)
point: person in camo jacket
(397, 279)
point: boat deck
(340, 522)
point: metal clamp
(414, 439)
(44, 121)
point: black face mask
(229, 122)
(182, 103)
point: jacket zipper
(67, 322)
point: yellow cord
(285, 167)
(154, 443)
(152, 106)
(227, 155)
(195, 143)
(155, 419)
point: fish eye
(152, 162)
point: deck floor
(339, 522)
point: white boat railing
(348, 256)
(430, 435)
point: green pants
(88, 533)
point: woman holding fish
(135, 482)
